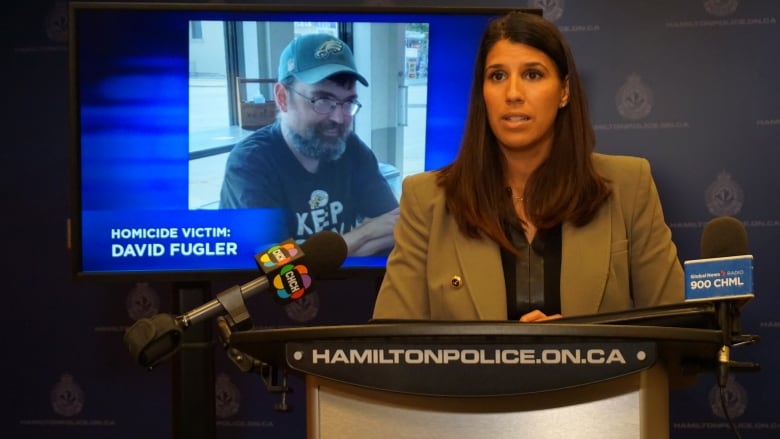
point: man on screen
(309, 162)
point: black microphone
(722, 237)
(725, 270)
(289, 270)
(724, 245)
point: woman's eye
(497, 75)
(534, 74)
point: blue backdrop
(689, 84)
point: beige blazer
(623, 258)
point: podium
(430, 379)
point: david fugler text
(174, 249)
(468, 356)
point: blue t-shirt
(262, 172)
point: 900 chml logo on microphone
(721, 279)
(291, 282)
(730, 276)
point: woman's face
(522, 95)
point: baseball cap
(313, 57)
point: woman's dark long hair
(565, 187)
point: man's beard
(313, 144)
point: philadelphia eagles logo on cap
(328, 48)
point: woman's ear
(564, 93)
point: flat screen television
(161, 92)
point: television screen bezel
(74, 222)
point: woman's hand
(537, 316)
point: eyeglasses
(328, 105)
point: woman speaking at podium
(528, 223)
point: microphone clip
(730, 325)
(232, 300)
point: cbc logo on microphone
(291, 282)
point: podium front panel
(633, 406)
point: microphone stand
(153, 340)
(194, 381)
(729, 322)
(193, 378)
(728, 319)
(275, 381)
